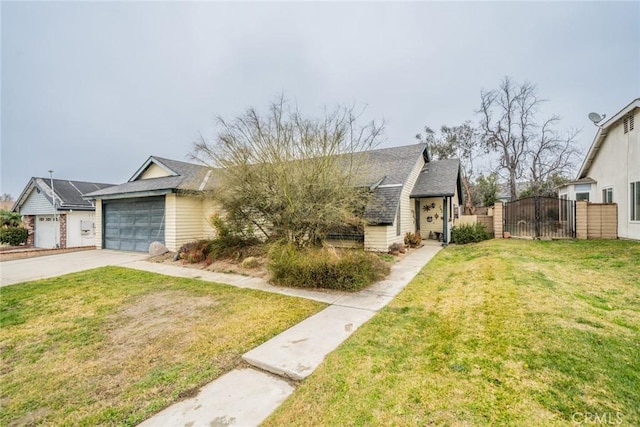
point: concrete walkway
(246, 397)
(24, 270)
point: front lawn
(114, 346)
(503, 332)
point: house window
(607, 195)
(635, 201)
(628, 123)
(398, 225)
(582, 196)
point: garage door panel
(133, 225)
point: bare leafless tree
(289, 175)
(551, 154)
(526, 148)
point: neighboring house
(166, 200)
(58, 217)
(611, 171)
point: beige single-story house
(56, 214)
(169, 201)
(610, 172)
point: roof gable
(438, 178)
(153, 167)
(63, 193)
(601, 135)
(150, 179)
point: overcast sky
(90, 90)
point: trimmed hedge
(469, 233)
(14, 236)
(347, 270)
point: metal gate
(537, 217)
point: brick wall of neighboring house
(63, 230)
(29, 222)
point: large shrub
(10, 219)
(348, 270)
(469, 233)
(13, 236)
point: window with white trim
(582, 196)
(634, 214)
(607, 195)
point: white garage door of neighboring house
(131, 225)
(46, 231)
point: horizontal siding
(189, 215)
(209, 208)
(154, 171)
(427, 227)
(407, 205)
(36, 204)
(379, 237)
(98, 219)
(170, 232)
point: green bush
(469, 233)
(14, 236)
(348, 270)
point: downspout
(445, 223)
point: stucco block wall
(602, 222)
(497, 220)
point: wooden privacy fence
(602, 221)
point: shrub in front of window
(469, 233)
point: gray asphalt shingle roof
(437, 178)
(385, 170)
(188, 177)
(389, 168)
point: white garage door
(46, 231)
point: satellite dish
(595, 118)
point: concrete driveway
(24, 270)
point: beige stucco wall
(154, 171)
(617, 165)
(98, 222)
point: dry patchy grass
(496, 333)
(112, 346)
